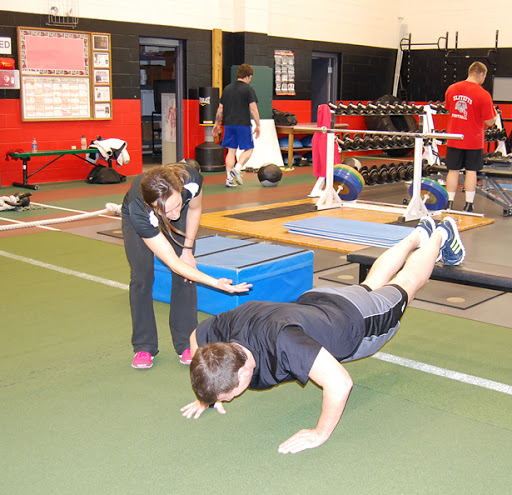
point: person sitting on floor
(260, 344)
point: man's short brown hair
(244, 71)
(214, 370)
(477, 68)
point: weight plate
(350, 171)
(347, 185)
(353, 171)
(432, 193)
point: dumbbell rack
(502, 147)
(431, 152)
(416, 207)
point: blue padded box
(278, 273)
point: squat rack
(416, 207)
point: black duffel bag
(284, 118)
(104, 175)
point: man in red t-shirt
(471, 109)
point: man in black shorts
(471, 109)
(260, 344)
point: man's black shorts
(457, 159)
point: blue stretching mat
(355, 231)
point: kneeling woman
(161, 214)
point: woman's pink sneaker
(186, 357)
(142, 360)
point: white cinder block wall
(360, 22)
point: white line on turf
(452, 375)
(382, 356)
(65, 271)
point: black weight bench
(476, 274)
(489, 186)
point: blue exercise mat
(340, 229)
(367, 242)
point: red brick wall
(18, 135)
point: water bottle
(83, 143)
(34, 145)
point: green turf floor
(77, 419)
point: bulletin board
(65, 75)
(284, 68)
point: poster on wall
(168, 127)
(284, 68)
(55, 98)
(63, 74)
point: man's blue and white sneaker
(427, 226)
(427, 223)
(230, 183)
(452, 250)
(237, 176)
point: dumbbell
(438, 107)
(391, 108)
(342, 144)
(376, 142)
(350, 108)
(397, 142)
(341, 108)
(373, 175)
(364, 173)
(372, 108)
(409, 171)
(425, 168)
(355, 109)
(392, 173)
(386, 142)
(367, 142)
(357, 142)
(416, 109)
(407, 108)
(382, 174)
(393, 140)
(347, 143)
(402, 108)
(400, 172)
(361, 109)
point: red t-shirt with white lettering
(469, 105)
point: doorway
(324, 80)
(161, 94)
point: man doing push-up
(260, 344)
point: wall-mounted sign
(10, 79)
(7, 63)
(284, 68)
(5, 46)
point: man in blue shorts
(260, 344)
(237, 104)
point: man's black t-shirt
(143, 218)
(235, 100)
(285, 338)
